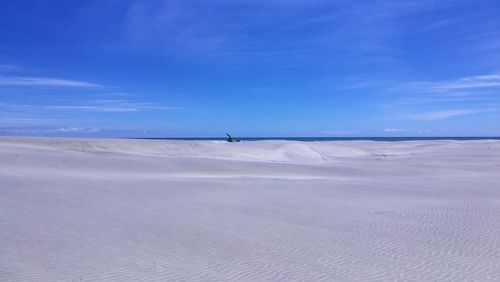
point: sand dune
(143, 210)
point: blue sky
(253, 68)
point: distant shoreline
(301, 139)
(311, 139)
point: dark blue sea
(310, 139)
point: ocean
(311, 139)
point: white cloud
(471, 82)
(462, 86)
(41, 81)
(393, 130)
(446, 114)
(49, 131)
(93, 106)
(76, 130)
(8, 120)
(5, 67)
(104, 108)
(339, 132)
(110, 106)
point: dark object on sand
(230, 139)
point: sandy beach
(151, 210)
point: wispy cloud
(6, 67)
(479, 91)
(76, 130)
(113, 105)
(41, 81)
(119, 107)
(393, 130)
(238, 29)
(9, 120)
(477, 82)
(339, 132)
(428, 101)
(49, 131)
(92, 106)
(446, 114)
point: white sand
(137, 210)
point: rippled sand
(138, 210)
